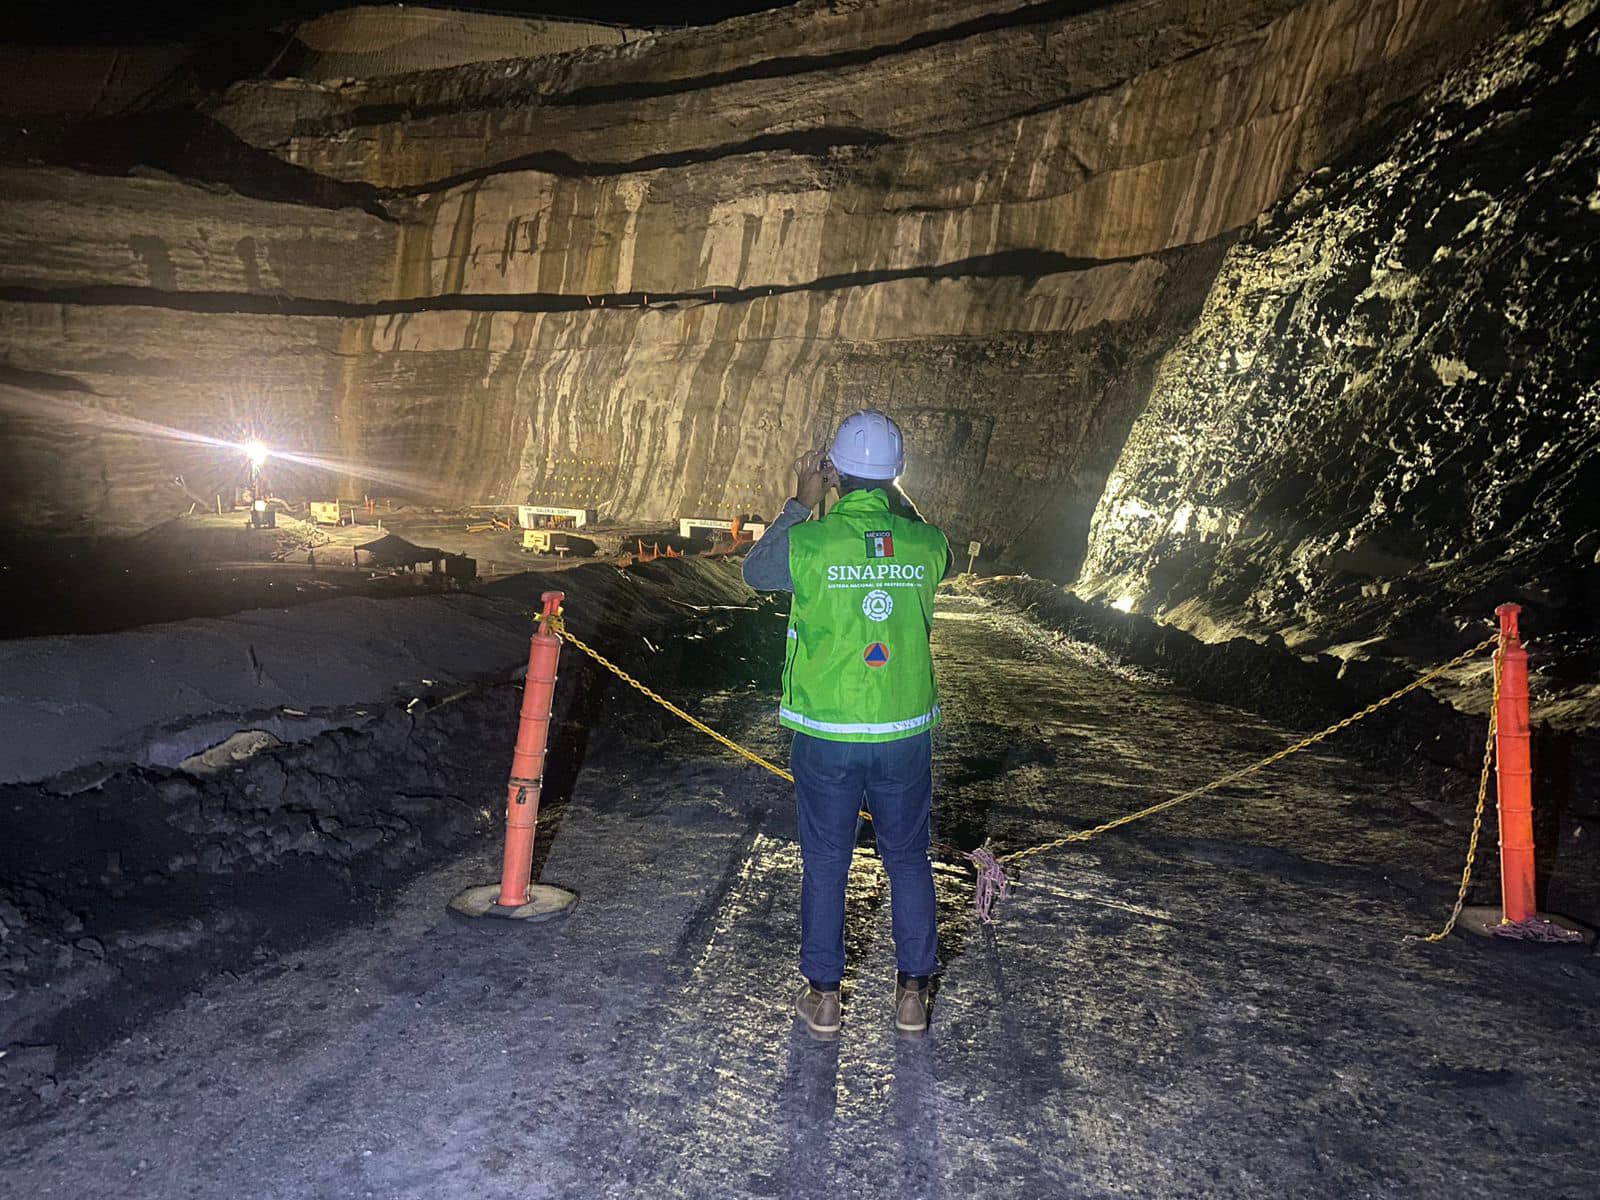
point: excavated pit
(158, 851)
(1140, 993)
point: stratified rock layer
(642, 277)
(373, 40)
(454, 406)
(1387, 419)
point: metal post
(527, 760)
(1513, 773)
(1518, 915)
(516, 896)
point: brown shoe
(911, 1004)
(821, 1011)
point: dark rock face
(1386, 419)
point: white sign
(974, 549)
(579, 516)
(687, 526)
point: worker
(859, 694)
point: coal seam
(1019, 264)
(815, 143)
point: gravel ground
(1218, 1003)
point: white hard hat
(868, 446)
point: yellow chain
(558, 627)
(1083, 835)
(1477, 815)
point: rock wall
(643, 277)
(1387, 418)
(372, 40)
(648, 410)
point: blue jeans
(894, 780)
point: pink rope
(993, 885)
(1536, 929)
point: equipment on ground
(327, 512)
(544, 541)
(650, 555)
(262, 515)
(868, 446)
(392, 552)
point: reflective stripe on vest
(858, 667)
(908, 726)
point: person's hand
(811, 479)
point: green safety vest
(858, 666)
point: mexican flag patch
(880, 544)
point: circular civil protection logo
(876, 655)
(878, 604)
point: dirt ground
(1220, 1002)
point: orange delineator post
(1514, 774)
(527, 761)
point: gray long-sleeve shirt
(766, 564)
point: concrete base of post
(544, 903)
(1488, 920)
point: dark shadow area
(87, 584)
(147, 883)
(189, 146)
(128, 888)
(810, 1100)
(81, 22)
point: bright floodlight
(257, 453)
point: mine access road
(1217, 1002)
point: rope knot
(993, 883)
